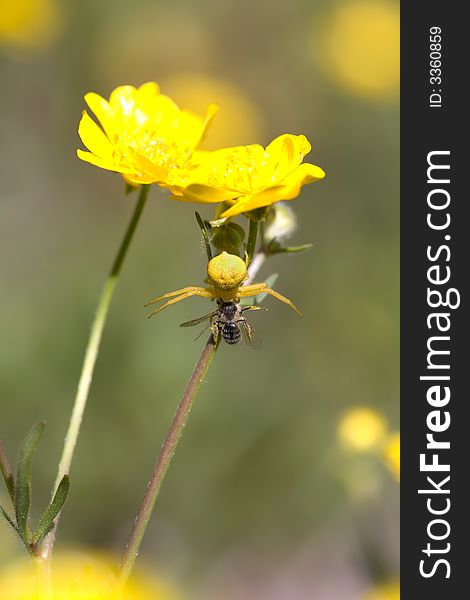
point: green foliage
(23, 480)
(275, 248)
(19, 488)
(229, 237)
(46, 522)
(205, 231)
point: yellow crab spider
(225, 276)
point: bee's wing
(203, 331)
(198, 320)
(248, 335)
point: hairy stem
(91, 354)
(163, 462)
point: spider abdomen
(231, 333)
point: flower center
(155, 149)
(246, 169)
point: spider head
(226, 271)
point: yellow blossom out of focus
(249, 177)
(29, 24)
(77, 576)
(144, 135)
(391, 453)
(239, 121)
(359, 48)
(387, 591)
(361, 429)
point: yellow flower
(391, 453)
(361, 429)
(249, 177)
(359, 48)
(385, 591)
(144, 135)
(79, 576)
(29, 24)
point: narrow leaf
(46, 522)
(205, 236)
(23, 479)
(5, 514)
(290, 249)
(7, 472)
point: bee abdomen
(231, 333)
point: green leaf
(276, 248)
(5, 514)
(46, 522)
(205, 235)
(23, 480)
(7, 472)
(228, 237)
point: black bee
(228, 321)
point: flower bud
(229, 237)
(281, 222)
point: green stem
(169, 445)
(166, 454)
(251, 243)
(91, 354)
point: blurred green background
(262, 500)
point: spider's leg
(254, 307)
(191, 288)
(253, 289)
(194, 292)
(283, 299)
(258, 288)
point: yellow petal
(238, 208)
(288, 190)
(147, 92)
(289, 150)
(304, 174)
(123, 99)
(212, 110)
(104, 163)
(155, 172)
(93, 137)
(201, 193)
(103, 112)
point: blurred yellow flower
(77, 576)
(239, 122)
(29, 24)
(391, 453)
(385, 591)
(359, 48)
(249, 177)
(362, 429)
(144, 135)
